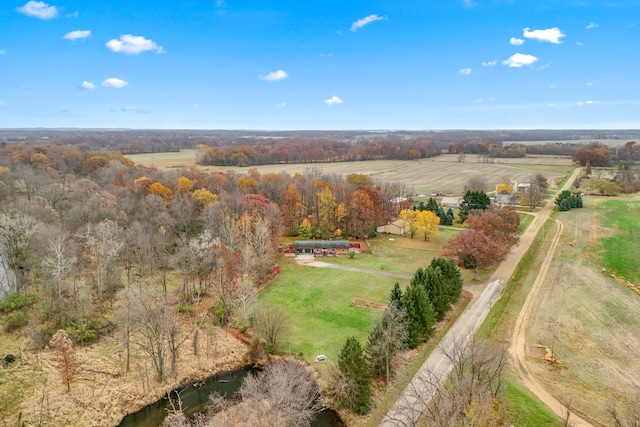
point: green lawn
(621, 253)
(397, 254)
(526, 410)
(318, 301)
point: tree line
(312, 151)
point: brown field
(590, 322)
(441, 174)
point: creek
(196, 397)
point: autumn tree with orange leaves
(65, 357)
(487, 241)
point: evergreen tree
(579, 202)
(396, 295)
(473, 201)
(432, 205)
(354, 367)
(420, 314)
(451, 277)
(386, 339)
(565, 205)
(450, 216)
(437, 292)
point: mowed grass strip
(318, 303)
(621, 253)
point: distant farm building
(325, 247)
(396, 227)
(450, 202)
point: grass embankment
(621, 253)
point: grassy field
(318, 301)
(442, 174)
(589, 320)
(621, 253)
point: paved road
(413, 402)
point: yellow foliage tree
(504, 186)
(246, 185)
(160, 190)
(427, 222)
(409, 218)
(184, 184)
(204, 197)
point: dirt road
(518, 340)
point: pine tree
(354, 367)
(65, 357)
(579, 202)
(420, 314)
(432, 205)
(437, 292)
(451, 277)
(450, 216)
(387, 338)
(396, 295)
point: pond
(196, 397)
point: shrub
(15, 321)
(16, 301)
(82, 332)
(352, 254)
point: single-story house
(450, 202)
(322, 247)
(396, 227)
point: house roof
(310, 244)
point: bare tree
(471, 397)
(271, 324)
(477, 183)
(289, 388)
(102, 243)
(626, 416)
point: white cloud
(465, 71)
(326, 54)
(490, 63)
(38, 9)
(579, 44)
(77, 34)
(114, 82)
(333, 100)
(592, 25)
(516, 41)
(88, 85)
(134, 110)
(365, 21)
(588, 102)
(73, 15)
(517, 60)
(133, 45)
(589, 84)
(3, 51)
(552, 35)
(275, 76)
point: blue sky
(295, 64)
